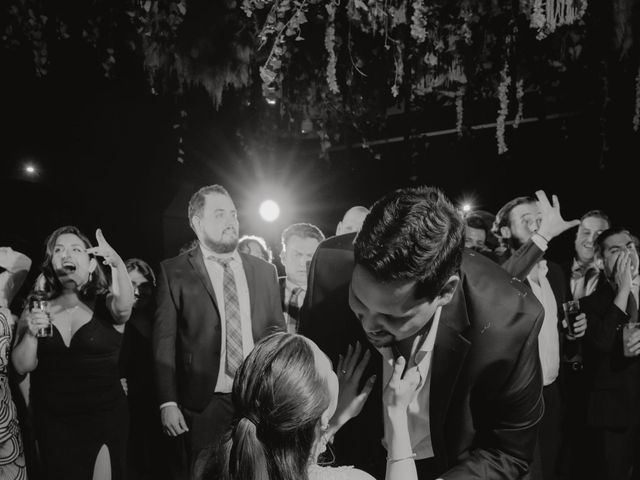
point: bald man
(352, 220)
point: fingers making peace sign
(109, 255)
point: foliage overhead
(339, 66)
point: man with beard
(526, 225)
(407, 287)
(213, 304)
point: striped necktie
(235, 354)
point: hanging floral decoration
(636, 115)
(503, 98)
(547, 15)
(330, 45)
(520, 102)
(339, 64)
(460, 110)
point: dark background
(107, 156)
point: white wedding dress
(317, 472)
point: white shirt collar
(420, 349)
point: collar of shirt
(290, 286)
(419, 350)
(580, 269)
(206, 253)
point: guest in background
(212, 304)
(582, 273)
(476, 234)
(256, 246)
(299, 243)
(352, 220)
(146, 458)
(612, 364)
(14, 267)
(80, 409)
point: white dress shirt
(418, 411)
(548, 341)
(224, 383)
(216, 275)
(579, 288)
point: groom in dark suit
(213, 304)
(405, 280)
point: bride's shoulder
(338, 473)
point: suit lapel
(449, 353)
(249, 273)
(197, 262)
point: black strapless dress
(78, 401)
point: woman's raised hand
(351, 367)
(109, 255)
(401, 388)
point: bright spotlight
(30, 169)
(466, 208)
(269, 210)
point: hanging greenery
(340, 65)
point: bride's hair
(279, 397)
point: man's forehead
(218, 201)
(618, 240)
(594, 223)
(525, 209)
(296, 242)
(394, 294)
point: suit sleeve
(604, 325)
(164, 341)
(506, 441)
(519, 265)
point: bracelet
(394, 460)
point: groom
(406, 286)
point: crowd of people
(418, 342)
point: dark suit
(187, 336)
(548, 453)
(614, 380)
(485, 394)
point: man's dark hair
(609, 232)
(503, 217)
(596, 214)
(302, 230)
(198, 199)
(475, 221)
(413, 234)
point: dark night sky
(106, 152)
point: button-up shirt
(548, 341)
(584, 279)
(216, 275)
(418, 411)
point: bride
(289, 403)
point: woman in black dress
(80, 410)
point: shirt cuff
(540, 242)
(168, 404)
